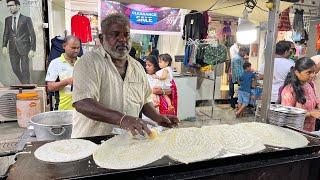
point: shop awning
(221, 7)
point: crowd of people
(294, 82)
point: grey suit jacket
(25, 38)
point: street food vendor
(111, 88)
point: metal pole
(273, 21)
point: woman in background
(299, 91)
(152, 66)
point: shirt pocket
(135, 97)
(135, 92)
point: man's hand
(69, 81)
(167, 121)
(5, 51)
(135, 125)
(31, 54)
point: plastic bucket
(28, 105)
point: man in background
(60, 72)
(236, 72)
(234, 50)
(282, 65)
(20, 36)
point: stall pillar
(273, 21)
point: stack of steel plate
(283, 115)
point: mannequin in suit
(20, 39)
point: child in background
(245, 88)
(164, 76)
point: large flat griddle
(286, 160)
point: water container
(28, 105)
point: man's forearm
(94, 110)
(56, 86)
(150, 111)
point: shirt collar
(107, 56)
(16, 15)
(63, 59)
(103, 52)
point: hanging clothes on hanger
(206, 24)
(227, 34)
(200, 54)
(298, 26)
(318, 38)
(194, 26)
(187, 53)
(226, 31)
(215, 55)
(193, 53)
(284, 21)
(80, 27)
(145, 39)
(154, 40)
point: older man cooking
(111, 88)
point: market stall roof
(225, 7)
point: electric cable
(225, 7)
(262, 9)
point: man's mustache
(122, 45)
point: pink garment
(288, 99)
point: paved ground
(9, 136)
(10, 132)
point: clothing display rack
(214, 42)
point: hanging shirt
(194, 26)
(318, 38)
(284, 21)
(80, 27)
(200, 54)
(215, 55)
